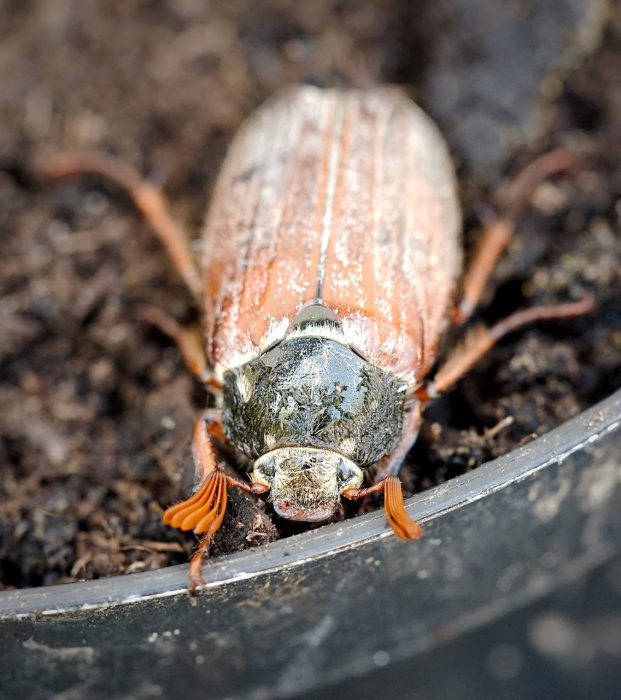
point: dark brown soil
(96, 408)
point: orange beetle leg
(147, 198)
(206, 429)
(512, 197)
(514, 194)
(196, 566)
(494, 239)
(481, 340)
(390, 465)
(204, 511)
(189, 341)
(402, 525)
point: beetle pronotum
(331, 256)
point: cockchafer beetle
(331, 255)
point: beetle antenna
(402, 525)
(202, 512)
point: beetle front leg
(213, 497)
(390, 465)
(196, 565)
(204, 511)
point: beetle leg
(196, 565)
(147, 198)
(390, 465)
(188, 340)
(515, 193)
(402, 525)
(512, 198)
(207, 429)
(491, 245)
(213, 425)
(480, 340)
(209, 477)
(204, 510)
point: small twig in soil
(155, 547)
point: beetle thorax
(313, 392)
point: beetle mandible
(331, 257)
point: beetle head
(306, 482)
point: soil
(96, 407)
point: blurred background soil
(96, 408)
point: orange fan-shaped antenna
(203, 512)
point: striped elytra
(340, 197)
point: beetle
(331, 262)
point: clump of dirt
(96, 408)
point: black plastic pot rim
(328, 541)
